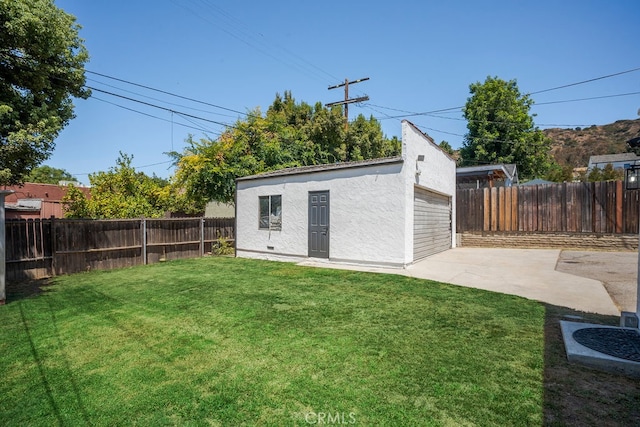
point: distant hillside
(574, 146)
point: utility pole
(347, 101)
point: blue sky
(420, 57)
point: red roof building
(31, 200)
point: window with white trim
(270, 212)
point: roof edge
(429, 139)
(302, 170)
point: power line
(154, 164)
(195, 123)
(411, 114)
(500, 122)
(159, 107)
(585, 81)
(261, 36)
(166, 92)
(158, 99)
(142, 86)
(587, 99)
(420, 126)
(429, 113)
(145, 114)
(135, 167)
(246, 37)
(244, 33)
(438, 130)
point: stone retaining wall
(587, 241)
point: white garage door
(431, 223)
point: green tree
(608, 173)
(47, 175)
(595, 175)
(290, 134)
(447, 148)
(41, 68)
(119, 193)
(76, 204)
(501, 130)
(365, 140)
(557, 173)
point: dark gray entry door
(319, 224)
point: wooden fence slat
(542, 208)
(486, 223)
(630, 211)
(501, 209)
(507, 208)
(597, 207)
(618, 199)
(591, 207)
(571, 212)
(522, 209)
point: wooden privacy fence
(42, 248)
(590, 207)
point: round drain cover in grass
(620, 343)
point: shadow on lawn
(39, 364)
(17, 291)
(578, 395)
(53, 392)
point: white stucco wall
(367, 205)
(437, 173)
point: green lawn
(225, 341)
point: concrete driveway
(618, 272)
(532, 273)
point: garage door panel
(442, 237)
(432, 242)
(435, 243)
(432, 223)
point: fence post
(143, 230)
(202, 237)
(3, 291)
(54, 263)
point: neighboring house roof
(325, 167)
(500, 170)
(22, 208)
(25, 208)
(44, 192)
(537, 181)
(43, 200)
(511, 168)
(613, 158)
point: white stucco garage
(385, 212)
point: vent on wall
(628, 319)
